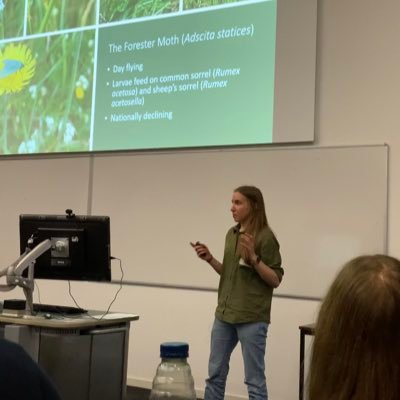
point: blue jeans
(224, 338)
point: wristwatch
(258, 259)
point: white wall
(358, 84)
(357, 102)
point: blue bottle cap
(174, 350)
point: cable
(70, 293)
(119, 289)
(113, 300)
(38, 291)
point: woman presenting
(249, 272)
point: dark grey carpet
(136, 393)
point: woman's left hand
(246, 242)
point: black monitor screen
(80, 245)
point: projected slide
(119, 75)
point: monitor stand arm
(28, 290)
(14, 272)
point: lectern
(85, 355)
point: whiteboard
(326, 205)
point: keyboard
(17, 305)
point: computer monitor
(80, 245)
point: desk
(86, 357)
(304, 330)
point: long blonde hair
(258, 217)
(356, 350)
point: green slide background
(240, 113)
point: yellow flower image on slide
(17, 67)
(46, 87)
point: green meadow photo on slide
(192, 4)
(120, 10)
(46, 94)
(57, 15)
(11, 18)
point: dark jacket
(21, 377)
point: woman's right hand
(202, 251)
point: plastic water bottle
(173, 379)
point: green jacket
(242, 295)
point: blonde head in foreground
(356, 350)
